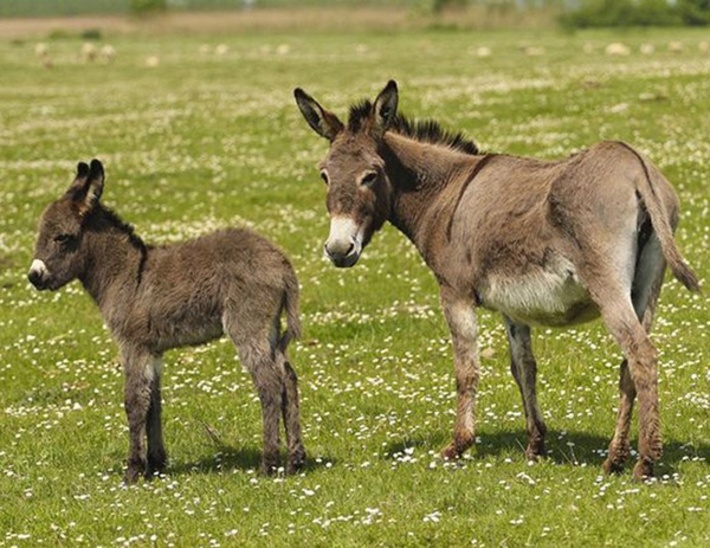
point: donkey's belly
(549, 296)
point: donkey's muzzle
(342, 257)
(344, 243)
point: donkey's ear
(385, 108)
(86, 189)
(324, 123)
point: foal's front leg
(157, 457)
(139, 373)
(461, 317)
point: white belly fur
(550, 296)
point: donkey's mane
(425, 131)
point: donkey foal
(157, 298)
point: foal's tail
(649, 189)
(290, 305)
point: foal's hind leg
(648, 280)
(524, 370)
(292, 419)
(256, 346)
(463, 324)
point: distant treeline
(635, 13)
(573, 13)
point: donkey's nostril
(339, 251)
(343, 256)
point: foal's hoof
(270, 466)
(535, 453)
(156, 465)
(132, 474)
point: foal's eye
(324, 176)
(63, 238)
(369, 178)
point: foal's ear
(324, 123)
(385, 109)
(86, 189)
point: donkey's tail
(290, 305)
(649, 188)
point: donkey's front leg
(461, 317)
(524, 370)
(139, 374)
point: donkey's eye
(369, 178)
(324, 176)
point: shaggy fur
(157, 298)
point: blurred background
(472, 13)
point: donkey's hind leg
(618, 312)
(524, 370)
(648, 280)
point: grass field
(193, 139)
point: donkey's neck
(428, 180)
(114, 259)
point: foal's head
(58, 258)
(359, 193)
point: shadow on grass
(228, 458)
(563, 447)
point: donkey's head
(58, 258)
(359, 192)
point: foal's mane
(425, 131)
(103, 214)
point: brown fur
(545, 243)
(157, 298)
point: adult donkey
(544, 243)
(157, 298)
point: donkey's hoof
(643, 470)
(450, 452)
(613, 466)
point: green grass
(205, 140)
